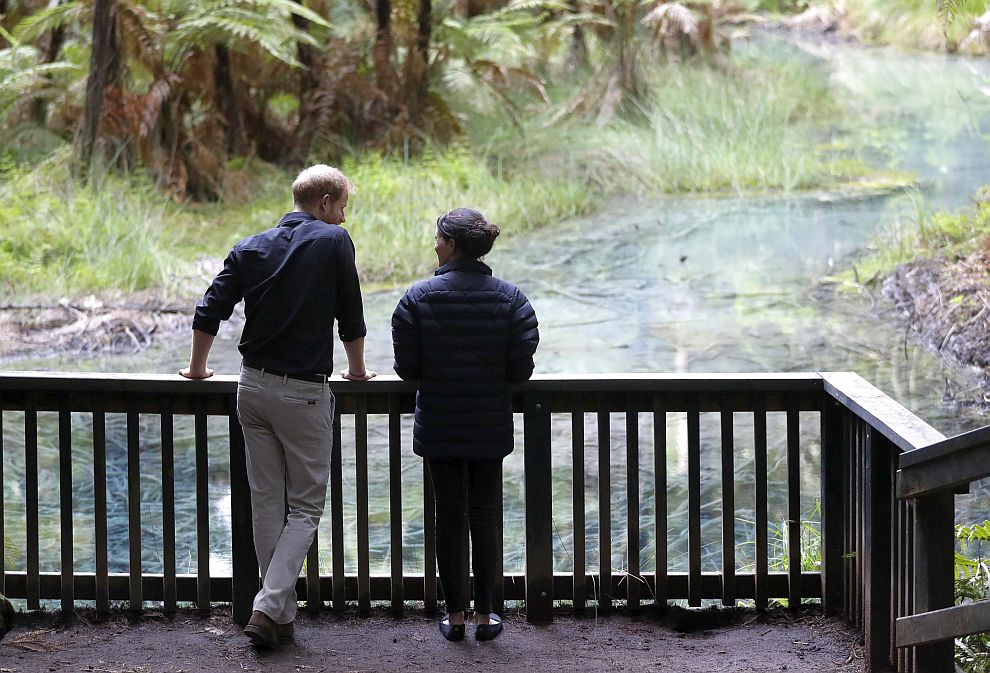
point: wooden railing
(723, 426)
(927, 479)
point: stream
(728, 283)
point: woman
(465, 335)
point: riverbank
(945, 302)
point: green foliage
(925, 24)
(21, 76)
(63, 238)
(241, 24)
(393, 214)
(922, 233)
(751, 126)
(973, 584)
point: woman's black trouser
(479, 501)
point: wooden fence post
(878, 499)
(832, 460)
(539, 540)
(934, 558)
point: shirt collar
(464, 264)
(294, 218)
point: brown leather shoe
(261, 630)
(285, 633)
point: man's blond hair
(313, 182)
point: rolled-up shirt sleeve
(220, 298)
(350, 306)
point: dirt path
(380, 643)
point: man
(295, 279)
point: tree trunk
(425, 30)
(235, 140)
(104, 70)
(309, 85)
(385, 76)
(39, 107)
(577, 52)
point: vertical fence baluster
(337, 516)
(893, 540)
(604, 504)
(762, 519)
(100, 504)
(395, 500)
(65, 501)
(832, 505)
(314, 599)
(169, 589)
(861, 430)
(539, 522)
(900, 560)
(33, 592)
(909, 575)
(661, 591)
(202, 506)
(245, 581)
(634, 576)
(876, 590)
(429, 543)
(580, 585)
(728, 506)
(849, 529)
(3, 557)
(361, 473)
(135, 592)
(934, 549)
(793, 507)
(694, 502)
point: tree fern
(35, 25)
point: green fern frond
(35, 25)
(246, 26)
(947, 12)
(291, 7)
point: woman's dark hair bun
(468, 228)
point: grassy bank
(913, 24)
(926, 234)
(753, 123)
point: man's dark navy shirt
(295, 280)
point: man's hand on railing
(199, 373)
(367, 376)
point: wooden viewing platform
(887, 483)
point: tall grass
(59, 237)
(754, 123)
(922, 233)
(394, 212)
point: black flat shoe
(452, 632)
(489, 631)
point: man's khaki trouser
(288, 433)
